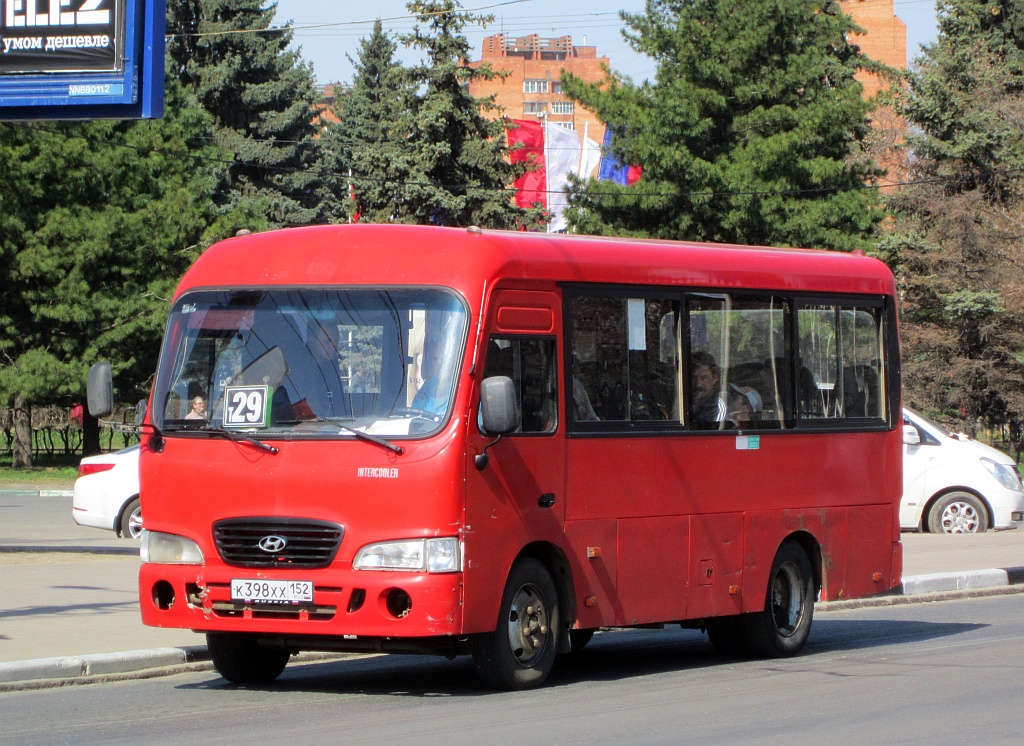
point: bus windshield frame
(334, 362)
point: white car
(107, 493)
(955, 485)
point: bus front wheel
(240, 659)
(519, 654)
(781, 629)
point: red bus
(448, 441)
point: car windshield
(317, 362)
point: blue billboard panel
(81, 59)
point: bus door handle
(546, 500)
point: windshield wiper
(339, 422)
(238, 437)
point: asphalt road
(936, 673)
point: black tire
(781, 629)
(578, 639)
(519, 654)
(240, 659)
(130, 526)
(726, 635)
(957, 513)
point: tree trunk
(21, 448)
(90, 434)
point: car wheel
(131, 519)
(958, 513)
(519, 654)
(781, 629)
(240, 658)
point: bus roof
(462, 258)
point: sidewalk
(69, 607)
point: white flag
(562, 156)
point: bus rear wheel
(240, 658)
(520, 653)
(781, 629)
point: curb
(54, 672)
(64, 669)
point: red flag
(531, 187)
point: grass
(46, 469)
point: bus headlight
(415, 555)
(1004, 474)
(168, 549)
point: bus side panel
(651, 568)
(870, 566)
(716, 564)
(766, 530)
(590, 547)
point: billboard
(81, 59)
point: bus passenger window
(531, 364)
(624, 359)
(739, 362)
(841, 351)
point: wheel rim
(135, 523)
(787, 599)
(960, 518)
(528, 630)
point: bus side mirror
(910, 436)
(498, 408)
(100, 390)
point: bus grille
(277, 542)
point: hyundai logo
(273, 544)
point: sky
(328, 31)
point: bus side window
(531, 364)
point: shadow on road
(611, 656)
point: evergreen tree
(957, 226)
(99, 221)
(749, 132)
(263, 102)
(369, 137)
(457, 159)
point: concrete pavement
(69, 610)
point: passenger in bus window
(197, 411)
(433, 394)
(584, 410)
(744, 406)
(708, 407)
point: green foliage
(263, 103)
(459, 171)
(101, 219)
(957, 224)
(750, 133)
(367, 138)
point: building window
(536, 86)
(537, 108)
(556, 86)
(561, 107)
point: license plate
(272, 591)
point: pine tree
(100, 220)
(955, 242)
(263, 102)
(749, 132)
(369, 138)
(457, 159)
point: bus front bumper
(344, 602)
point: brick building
(532, 87)
(884, 40)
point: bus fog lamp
(167, 549)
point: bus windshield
(312, 362)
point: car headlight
(1006, 476)
(415, 555)
(168, 549)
